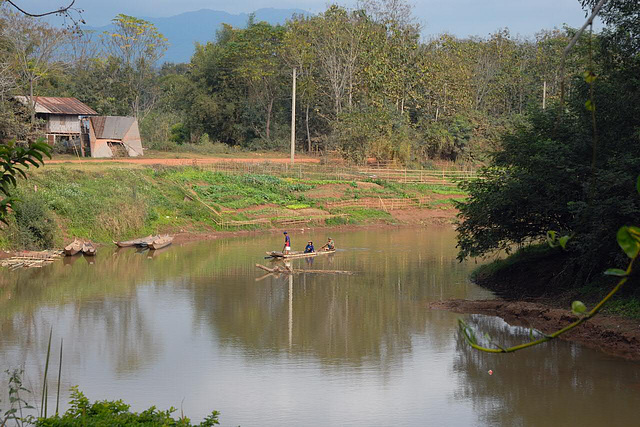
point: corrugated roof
(54, 105)
(111, 127)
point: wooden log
(288, 270)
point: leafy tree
(139, 45)
(15, 160)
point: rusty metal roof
(54, 105)
(111, 127)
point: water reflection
(557, 383)
(200, 322)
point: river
(198, 327)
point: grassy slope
(111, 202)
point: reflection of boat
(143, 241)
(155, 252)
(88, 248)
(73, 247)
(160, 242)
(69, 260)
(294, 254)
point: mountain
(185, 29)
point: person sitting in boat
(329, 246)
(309, 249)
(287, 244)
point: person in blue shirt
(287, 244)
(309, 249)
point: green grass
(105, 202)
(623, 306)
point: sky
(460, 17)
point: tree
(15, 160)
(34, 49)
(139, 45)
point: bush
(116, 413)
(179, 133)
(379, 132)
(35, 225)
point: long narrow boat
(143, 241)
(73, 247)
(161, 242)
(293, 255)
(88, 248)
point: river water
(197, 327)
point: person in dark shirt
(309, 249)
(287, 244)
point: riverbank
(107, 202)
(613, 335)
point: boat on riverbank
(294, 254)
(88, 248)
(73, 247)
(160, 242)
(141, 242)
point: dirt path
(184, 162)
(612, 335)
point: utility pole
(544, 95)
(293, 118)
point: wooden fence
(341, 173)
(382, 204)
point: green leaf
(616, 272)
(563, 241)
(590, 105)
(627, 242)
(589, 76)
(578, 307)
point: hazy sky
(460, 17)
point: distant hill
(200, 26)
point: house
(61, 116)
(114, 136)
(78, 126)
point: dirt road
(184, 162)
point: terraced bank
(112, 202)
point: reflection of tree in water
(121, 330)
(554, 384)
(368, 317)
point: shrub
(35, 225)
(117, 413)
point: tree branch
(62, 10)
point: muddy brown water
(192, 327)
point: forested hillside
(368, 84)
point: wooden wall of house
(64, 124)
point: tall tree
(139, 45)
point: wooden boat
(73, 247)
(141, 242)
(88, 248)
(160, 242)
(294, 254)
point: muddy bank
(612, 335)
